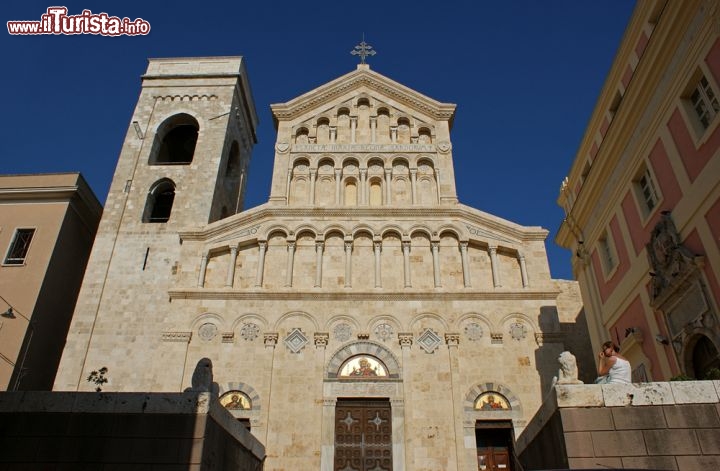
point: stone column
(413, 184)
(203, 269)
(327, 432)
(262, 246)
(353, 128)
(313, 177)
(338, 175)
(494, 266)
(406, 341)
(348, 264)
(452, 340)
(363, 186)
(333, 134)
(435, 246)
(377, 248)
(406, 263)
(290, 263)
(393, 134)
(437, 184)
(287, 188)
(231, 268)
(373, 129)
(319, 247)
(388, 191)
(465, 264)
(523, 270)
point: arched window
(175, 141)
(301, 136)
(424, 136)
(363, 366)
(159, 202)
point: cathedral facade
(360, 319)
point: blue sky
(524, 74)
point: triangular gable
(362, 77)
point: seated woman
(612, 367)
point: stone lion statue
(568, 372)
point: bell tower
(183, 165)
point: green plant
(98, 377)
(712, 373)
(682, 377)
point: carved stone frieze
(406, 339)
(249, 331)
(321, 339)
(473, 331)
(343, 331)
(176, 336)
(207, 331)
(671, 262)
(270, 339)
(452, 339)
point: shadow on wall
(558, 336)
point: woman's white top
(620, 372)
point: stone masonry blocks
(633, 418)
(618, 443)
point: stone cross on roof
(363, 50)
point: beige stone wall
(452, 300)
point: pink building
(642, 199)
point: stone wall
(673, 426)
(122, 431)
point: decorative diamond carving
(296, 341)
(343, 331)
(384, 331)
(518, 331)
(429, 341)
(208, 331)
(473, 331)
(249, 331)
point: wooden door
(363, 435)
(493, 458)
(494, 445)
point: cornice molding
(461, 214)
(364, 296)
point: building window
(159, 202)
(19, 247)
(647, 191)
(704, 102)
(175, 141)
(607, 253)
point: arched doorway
(705, 356)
